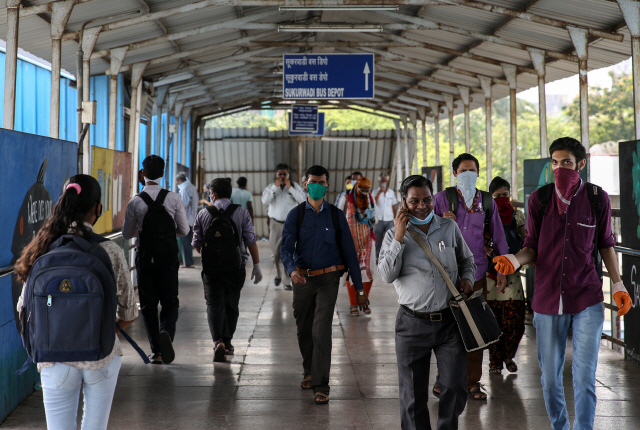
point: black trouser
(155, 286)
(415, 339)
(222, 294)
(313, 306)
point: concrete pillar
(631, 12)
(117, 57)
(414, 142)
(405, 131)
(435, 108)
(60, 12)
(537, 57)
(485, 83)
(11, 64)
(579, 37)
(466, 100)
(398, 156)
(161, 93)
(510, 74)
(185, 120)
(448, 100)
(137, 71)
(89, 39)
(422, 113)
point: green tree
(610, 110)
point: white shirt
(189, 195)
(384, 204)
(281, 201)
(137, 209)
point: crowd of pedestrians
(478, 238)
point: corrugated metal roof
(219, 46)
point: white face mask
(467, 186)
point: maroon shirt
(564, 244)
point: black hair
(221, 187)
(69, 211)
(282, 166)
(348, 178)
(414, 181)
(317, 171)
(569, 144)
(464, 157)
(498, 183)
(153, 167)
(357, 173)
(242, 181)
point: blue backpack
(70, 303)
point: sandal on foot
(436, 389)
(306, 383)
(367, 310)
(512, 366)
(219, 352)
(476, 393)
(495, 370)
(354, 311)
(321, 398)
(229, 351)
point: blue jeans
(61, 386)
(552, 332)
(187, 251)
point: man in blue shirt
(315, 260)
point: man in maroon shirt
(568, 288)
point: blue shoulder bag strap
(134, 345)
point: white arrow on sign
(366, 76)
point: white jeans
(61, 386)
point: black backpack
(221, 248)
(335, 212)
(158, 245)
(487, 203)
(595, 198)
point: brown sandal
(306, 383)
(321, 398)
(476, 393)
(512, 366)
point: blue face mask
(427, 220)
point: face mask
(504, 209)
(383, 185)
(567, 183)
(353, 182)
(316, 191)
(417, 221)
(349, 186)
(467, 186)
(362, 192)
(370, 213)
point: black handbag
(475, 319)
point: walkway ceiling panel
(100, 12)
(537, 36)
(127, 35)
(590, 13)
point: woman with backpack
(74, 215)
(360, 211)
(508, 303)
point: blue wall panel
(26, 203)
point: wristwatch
(361, 293)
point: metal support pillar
(176, 114)
(398, 156)
(485, 83)
(160, 96)
(11, 64)
(89, 39)
(414, 142)
(510, 74)
(631, 12)
(60, 13)
(464, 95)
(299, 159)
(185, 120)
(537, 57)
(134, 120)
(448, 100)
(407, 164)
(579, 37)
(117, 57)
(422, 113)
(435, 108)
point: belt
(432, 316)
(309, 272)
(279, 222)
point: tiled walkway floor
(259, 388)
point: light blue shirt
(189, 197)
(241, 197)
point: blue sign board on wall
(33, 170)
(320, 131)
(304, 118)
(328, 76)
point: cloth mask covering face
(467, 186)
(567, 183)
(349, 186)
(316, 191)
(505, 209)
(418, 221)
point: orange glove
(506, 264)
(622, 298)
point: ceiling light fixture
(337, 8)
(332, 28)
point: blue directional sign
(320, 131)
(304, 118)
(328, 76)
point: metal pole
(435, 108)
(538, 58)
(156, 145)
(136, 143)
(579, 37)
(631, 11)
(485, 83)
(448, 99)
(510, 74)
(185, 119)
(466, 100)
(54, 114)
(299, 161)
(79, 95)
(132, 117)
(117, 57)
(398, 156)
(424, 142)
(11, 64)
(407, 164)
